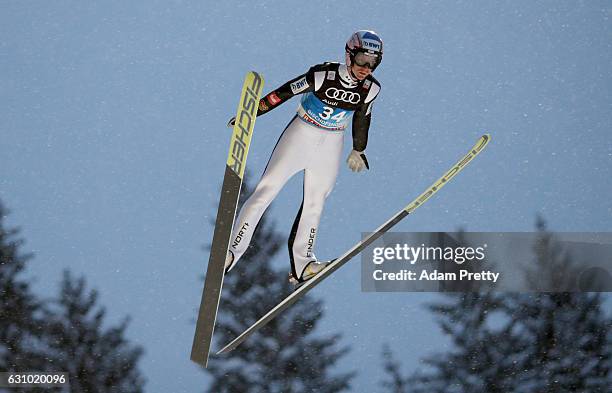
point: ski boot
(311, 270)
(229, 261)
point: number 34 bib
(335, 97)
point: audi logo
(342, 95)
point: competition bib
(315, 111)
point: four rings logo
(342, 95)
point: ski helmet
(364, 48)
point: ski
(230, 192)
(332, 267)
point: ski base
(230, 193)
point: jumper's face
(361, 72)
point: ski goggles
(365, 60)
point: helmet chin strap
(346, 76)
(353, 77)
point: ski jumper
(312, 142)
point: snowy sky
(113, 144)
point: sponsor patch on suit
(299, 85)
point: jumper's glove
(231, 122)
(357, 161)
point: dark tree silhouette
(552, 269)
(478, 361)
(285, 356)
(98, 359)
(569, 334)
(394, 381)
(18, 305)
(61, 335)
(527, 343)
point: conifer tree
(527, 343)
(60, 335)
(394, 381)
(18, 305)
(480, 359)
(569, 334)
(97, 358)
